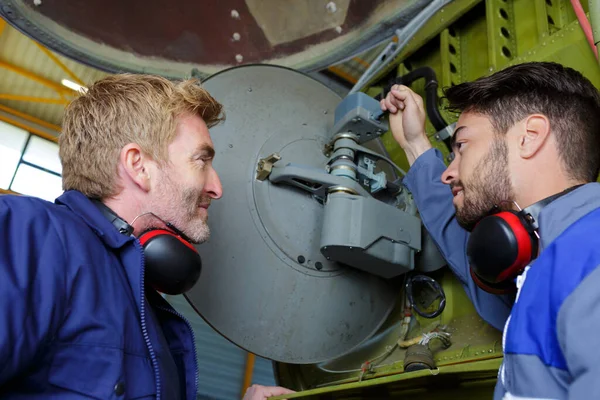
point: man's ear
(135, 164)
(535, 134)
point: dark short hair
(568, 99)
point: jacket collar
(557, 216)
(83, 207)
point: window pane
(35, 182)
(44, 153)
(12, 140)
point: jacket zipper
(178, 314)
(144, 327)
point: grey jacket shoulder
(578, 327)
(578, 318)
(434, 202)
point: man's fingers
(382, 104)
(400, 88)
(390, 105)
(418, 99)
(277, 391)
(404, 97)
(394, 101)
(400, 94)
(259, 392)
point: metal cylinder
(343, 167)
(343, 156)
(347, 154)
(418, 357)
(344, 143)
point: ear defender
(502, 244)
(173, 264)
(499, 248)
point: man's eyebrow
(453, 140)
(206, 150)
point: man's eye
(204, 161)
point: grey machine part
(378, 234)
(267, 283)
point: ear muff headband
(148, 235)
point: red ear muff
(173, 265)
(499, 248)
(495, 288)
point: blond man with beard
(80, 316)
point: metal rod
(404, 35)
(12, 180)
(585, 25)
(385, 54)
(49, 171)
(250, 358)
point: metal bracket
(315, 181)
(350, 144)
(360, 115)
(265, 165)
(366, 171)
(445, 133)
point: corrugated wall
(221, 363)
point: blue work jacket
(76, 320)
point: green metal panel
(460, 381)
(472, 340)
(469, 39)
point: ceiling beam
(32, 99)
(46, 82)
(29, 118)
(342, 74)
(2, 26)
(28, 127)
(60, 64)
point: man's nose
(213, 185)
(451, 173)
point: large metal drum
(265, 285)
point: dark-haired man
(525, 133)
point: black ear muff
(173, 265)
(499, 248)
